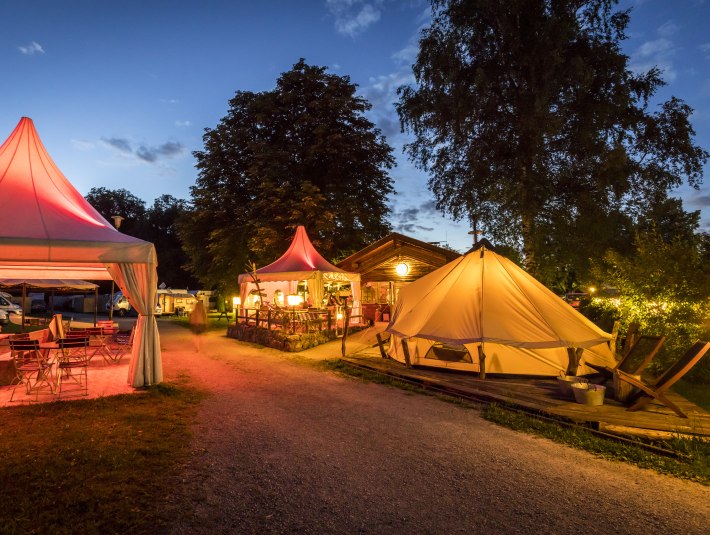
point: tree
(158, 225)
(120, 202)
(162, 221)
(302, 153)
(532, 125)
(664, 286)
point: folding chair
(636, 358)
(73, 362)
(32, 369)
(121, 344)
(657, 389)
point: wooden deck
(543, 396)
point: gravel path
(282, 448)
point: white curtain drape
(138, 282)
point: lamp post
(117, 220)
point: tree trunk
(529, 243)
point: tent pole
(24, 297)
(110, 308)
(96, 305)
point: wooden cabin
(387, 265)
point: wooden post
(268, 319)
(381, 344)
(330, 318)
(574, 355)
(405, 350)
(346, 321)
(481, 363)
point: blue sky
(121, 92)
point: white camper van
(178, 302)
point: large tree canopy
(157, 224)
(531, 124)
(301, 154)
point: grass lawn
(213, 324)
(13, 328)
(95, 466)
(693, 461)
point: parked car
(38, 306)
(8, 306)
(121, 306)
(3, 318)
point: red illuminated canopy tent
(301, 262)
(49, 231)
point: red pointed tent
(302, 262)
(49, 231)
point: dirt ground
(280, 447)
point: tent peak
(483, 243)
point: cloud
(658, 52)
(183, 123)
(415, 220)
(352, 17)
(381, 92)
(169, 101)
(705, 49)
(168, 150)
(146, 153)
(408, 55)
(668, 29)
(33, 48)
(700, 200)
(121, 144)
(82, 145)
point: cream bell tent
(49, 231)
(301, 262)
(484, 300)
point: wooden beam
(405, 350)
(482, 363)
(381, 345)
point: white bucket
(588, 394)
(566, 381)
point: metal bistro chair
(73, 362)
(32, 369)
(121, 344)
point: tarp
(301, 262)
(49, 231)
(485, 299)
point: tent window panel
(449, 353)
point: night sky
(121, 93)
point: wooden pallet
(543, 395)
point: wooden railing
(290, 319)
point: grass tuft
(95, 466)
